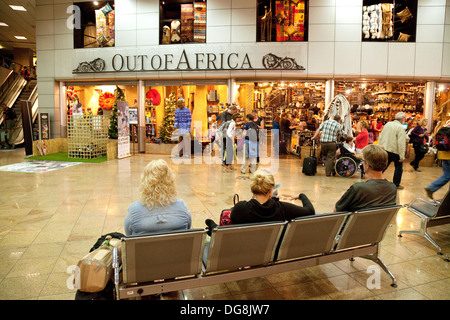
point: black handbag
(423, 148)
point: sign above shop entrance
(185, 62)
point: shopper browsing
(229, 143)
(225, 120)
(158, 208)
(250, 132)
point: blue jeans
(442, 180)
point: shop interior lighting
(20, 37)
(2, 24)
(95, 3)
(17, 8)
(441, 88)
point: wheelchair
(346, 164)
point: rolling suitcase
(310, 163)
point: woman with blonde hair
(158, 208)
(264, 205)
(419, 138)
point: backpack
(442, 139)
(222, 129)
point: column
(329, 92)
(62, 110)
(141, 115)
(428, 103)
(231, 90)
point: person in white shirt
(231, 134)
(393, 140)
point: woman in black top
(265, 206)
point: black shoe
(211, 226)
(429, 193)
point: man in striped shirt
(331, 130)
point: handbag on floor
(225, 214)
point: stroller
(347, 163)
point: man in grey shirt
(376, 191)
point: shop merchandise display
(187, 23)
(183, 22)
(166, 129)
(113, 124)
(106, 100)
(340, 106)
(87, 136)
(378, 21)
(175, 31)
(389, 21)
(105, 26)
(199, 22)
(165, 35)
(290, 20)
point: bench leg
(375, 258)
(422, 232)
(425, 235)
(385, 268)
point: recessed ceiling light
(20, 37)
(18, 8)
(2, 24)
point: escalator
(13, 91)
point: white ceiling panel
(20, 23)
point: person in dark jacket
(418, 137)
(265, 206)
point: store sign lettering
(199, 61)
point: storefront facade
(230, 57)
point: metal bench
(431, 213)
(175, 261)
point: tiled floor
(48, 221)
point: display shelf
(87, 136)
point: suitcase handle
(312, 151)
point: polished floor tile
(48, 221)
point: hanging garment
(340, 106)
